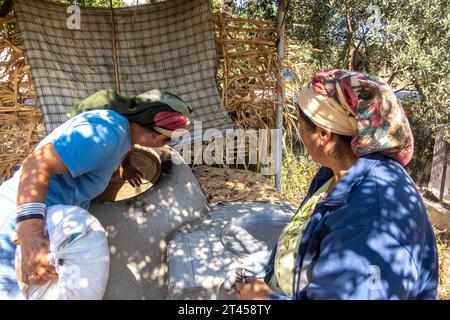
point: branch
(395, 73)
(403, 88)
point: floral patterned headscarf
(358, 105)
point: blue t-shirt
(92, 145)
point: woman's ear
(324, 136)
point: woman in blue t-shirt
(362, 232)
(73, 165)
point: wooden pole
(280, 93)
(227, 11)
(227, 7)
(114, 48)
(444, 170)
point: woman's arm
(361, 263)
(37, 170)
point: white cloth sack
(78, 251)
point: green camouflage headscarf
(154, 109)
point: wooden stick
(256, 30)
(444, 170)
(280, 91)
(116, 66)
(256, 41)
(253, 21)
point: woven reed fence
(246, 78)
(248, 71)
(21, 126)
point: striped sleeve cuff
(32, 210)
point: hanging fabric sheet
(169, 46)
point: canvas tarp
(169, 46)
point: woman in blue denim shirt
(362, 232)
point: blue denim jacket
(371, 238)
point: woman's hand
(254, 289)
(34, 246)
(131, 174)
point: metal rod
(280, 93)
(114, 47)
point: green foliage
(297, 174)
(261, 9)
(215, 5)
(407, 44)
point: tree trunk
(350, 47)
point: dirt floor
(227, 185)
(443, 242)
